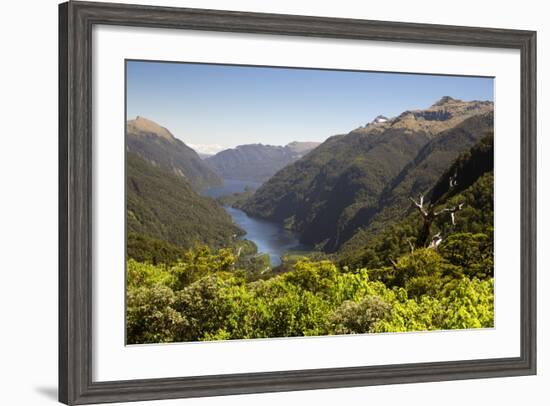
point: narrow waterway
(270, 238)
(230, 186)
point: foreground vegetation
(207, 296)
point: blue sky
(213, 107)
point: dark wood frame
(76, 20)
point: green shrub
(207, 297)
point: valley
(270, 238)
(321, 229)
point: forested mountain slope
(424, 170)
(345, 173)
(163, 206)
(339, 187)
(472, 186)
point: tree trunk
(424, 234)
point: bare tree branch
(452, 181)
(436, 240)
(420, 205)
(451, 210)
(429, 216)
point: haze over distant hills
(357, 180)
(257, 162)
(158, 146)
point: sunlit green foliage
(150, 315)
(205, 296)
(359, 317)
(144, 275)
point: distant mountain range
(362, 179)
(160, 148)
(257, 162)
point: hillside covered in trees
(353, 180)
(164, 211)
(399, 213)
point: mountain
(349, 180)
(421, 173)
(299, 149)
(465, 171)
(472, 185)
(378, 119)
(257, 162)
(163, 206)
(159, 147)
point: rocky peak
(446, 100)
(446, 113)
(379, 119)
(442, 115)
(378, 122)
(433, 115)
(143, 126)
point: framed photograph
(257, 202)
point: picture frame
(76, 352)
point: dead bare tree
(428, 216)
(436, 240)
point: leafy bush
(206, 296)
(151, 316)
(352, 317)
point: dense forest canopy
(163, 206)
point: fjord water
(270, 238)
(230, 186)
